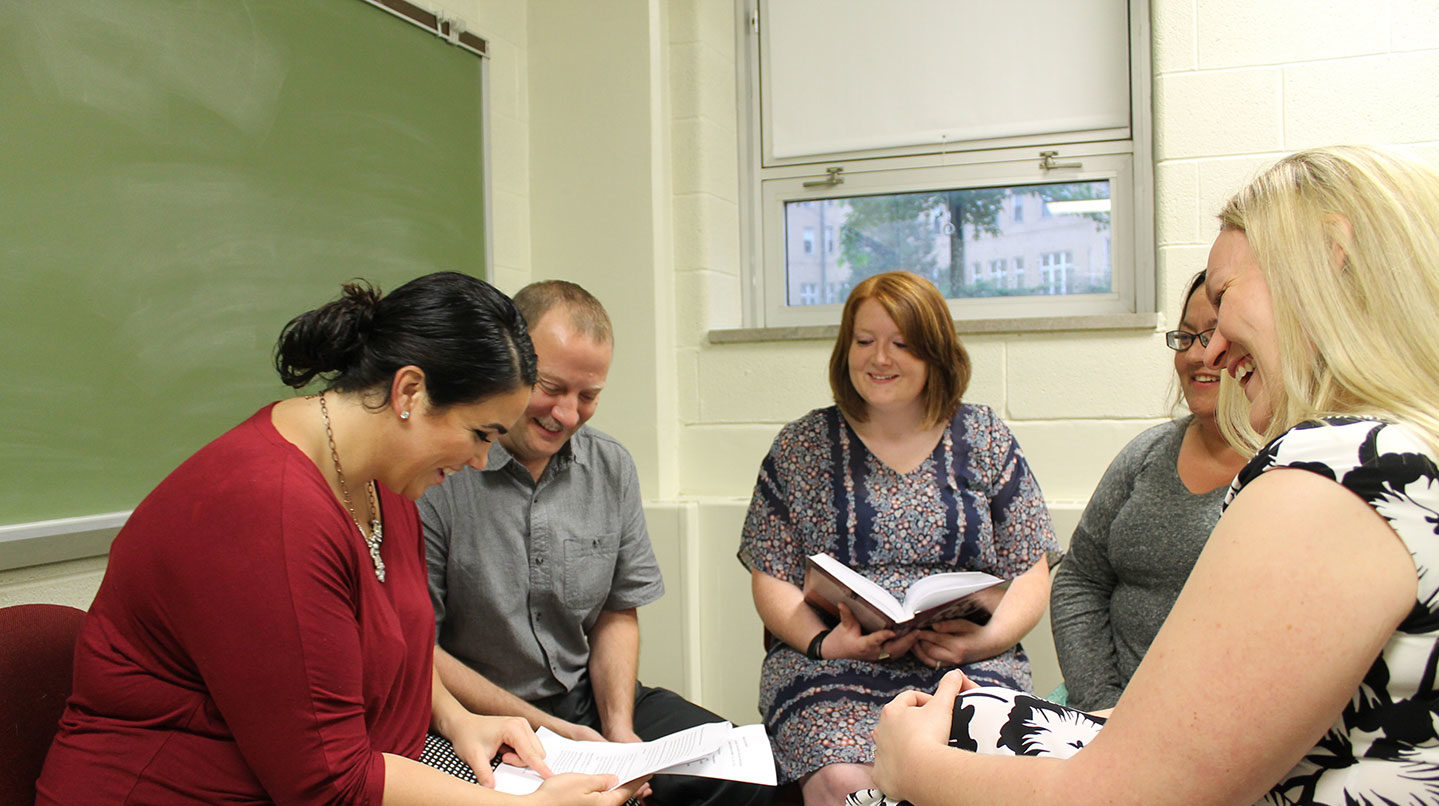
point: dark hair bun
(328, 339)
(460, 331)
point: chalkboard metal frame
(449, 28)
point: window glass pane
(921, 80)
(1020, 240)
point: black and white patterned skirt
(999, 721)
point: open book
(828, 581)
(716, 750)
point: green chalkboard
(178, 179)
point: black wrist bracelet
(816, 642)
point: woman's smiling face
(883, 370)
(440, 442)
(1199, 383)
(1245, 342)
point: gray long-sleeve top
(1130, 555)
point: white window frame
(979, 169)
(1122, 156)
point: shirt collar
(500, 458)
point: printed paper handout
(716, 750)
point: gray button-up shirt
(519, 571)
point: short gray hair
(587, 315)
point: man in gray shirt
(539, 561)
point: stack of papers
(716, 750)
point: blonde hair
(921, 314)
(1348, 239)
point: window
(809, 293)
(1056, 272)
(888, 232)
(996, 274)
(898, 165)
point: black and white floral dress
(1384, 748)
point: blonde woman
(1299, 664)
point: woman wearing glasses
(1143, 528)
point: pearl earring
(404, 415)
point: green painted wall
(178, 179)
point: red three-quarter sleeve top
(241, 648)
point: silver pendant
(373, 541)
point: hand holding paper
(717, 750)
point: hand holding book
(955, 642)
(849, 639)
(941, 597)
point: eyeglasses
(1180, 340)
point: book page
(882, 599)
(516, 780)
(940, 588)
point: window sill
(1046, 324)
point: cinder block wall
(1236, 84)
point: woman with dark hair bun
(264, 632)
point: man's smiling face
(572, 372)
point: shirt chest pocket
(589, 570)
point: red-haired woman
(899, 480)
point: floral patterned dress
(971, 505)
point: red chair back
(37, 652)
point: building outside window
(897, 232)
